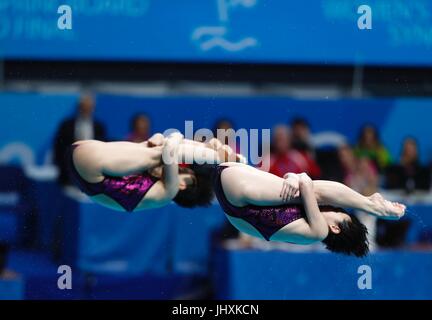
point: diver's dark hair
(200, 194)
(352, 239)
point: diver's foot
(156, 140)
(386, 209)
(226, 154)
(241, 158)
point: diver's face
(334, 218)
(186, 180)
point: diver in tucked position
(129, 176)
(297, 209)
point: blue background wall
(33, 118)
(281, 31)
(283, 275)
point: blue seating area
(12, 289)
(280, 275)
(38, 280)
(115, 254)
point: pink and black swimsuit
(127, 191)
(266, 219)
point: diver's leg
(212, 152)
(95, 159)
(155, 140)
(190, 151)
(198, 153)
(338, 194)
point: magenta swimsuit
(127, 191)
(266, 219)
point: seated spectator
(370, 146)
(81, 126)
(227, 232)
(300, 136)
(4, 249)
(283, 158)
(140, 128)
(359, 173)
(408, 174)
(225, 124)
(392, 234)
(302, 142)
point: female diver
(129, 176)
(289, 209)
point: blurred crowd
(366, 165)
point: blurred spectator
(392, 234)
(369, 146)
(408, 174)
(4, 249)
(359, 173)
(227, 232)
(300, 136)
(283, 158)
(81, 126)
(302, 142)
(140, 128)
(225, 124)
(425, 239)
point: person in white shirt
(82, 126)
